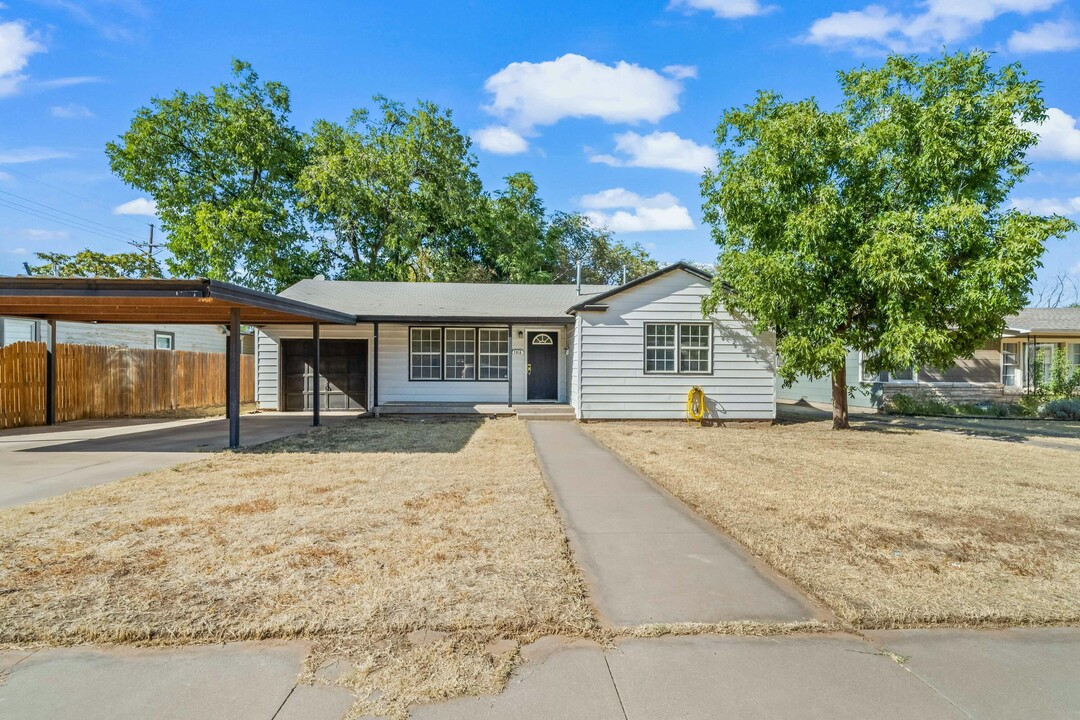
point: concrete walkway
(241, 681)
(40, 462)
(646, 556)
(947, 675)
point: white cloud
(4, 177)
(527, 94)
(63, 82)
(30, 154)
(17, 44)
(728, 9)
(1049, 36)
(138, 206)
(635, 213)
(1048, 206)
(71, 110)
(500, 140)
(17, 251)
(681, 72)
(938, 22)
(1059, 138)
(664, 150)
(46, 235)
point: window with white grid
(694, 347)
(425, 354)
(660, 347)
(678, 348)
(494, 350)
(460, 353)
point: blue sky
(611, 105)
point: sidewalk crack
(615, 685)
(278, 711)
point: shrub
(1061, 409)
(918, 403)
(923, 402)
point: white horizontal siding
(267, 367)
(614, 385)
(394, 383)
(190, 338)
(268, 349)
(395, 386)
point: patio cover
(197, 302)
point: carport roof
(197, 302)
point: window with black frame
(425, 354)
(683, 348)
(494, 361)
(460, 353)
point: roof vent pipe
(578, 277)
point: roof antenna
(579, 277)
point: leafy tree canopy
(880, 226)
(222, 169)
(92, 264)
(393, 194)
(397, 190)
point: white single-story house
(608, 352)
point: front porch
(534, 411)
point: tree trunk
(839, 399)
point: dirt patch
(891, 528)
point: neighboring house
(629, 351)
(193, 338)
(1000, 371)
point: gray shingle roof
(409, 300)
(1045, 320)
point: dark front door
(342, 384)
(543, 354)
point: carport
(196, 302)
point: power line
(67, 192)
(79, 218)
(61, 221)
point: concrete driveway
(40, 462)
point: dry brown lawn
(354, 535)
(889, 527)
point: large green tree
(90, 264)
(397, 192)
(222, 169)
(393, 194)
(881, 226)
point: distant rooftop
(1045, 320)
(433, 300)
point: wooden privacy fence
(95, 381)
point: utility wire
(78, 218)
(68, 192)
(61, 221)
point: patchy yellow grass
(354, 535)
(889, 527)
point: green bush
(923, 402)
(918, 403)
(1063, 381)
(1061, 409)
